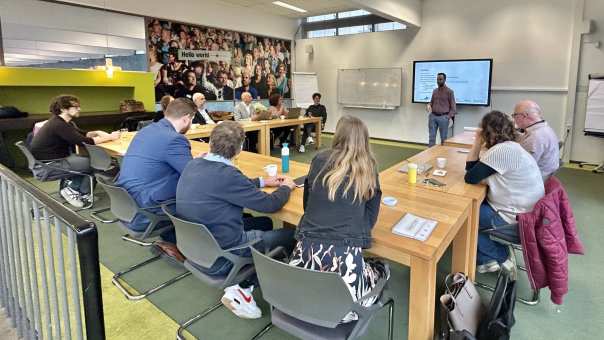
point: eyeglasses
(516, 114)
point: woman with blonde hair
(341, 205)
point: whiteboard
(594, 117)
(378, 88)
(305, 84)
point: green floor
(580, 317)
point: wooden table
(295, 122)
(461, 140)
(201, 131)
(455, 185)
(454, 228)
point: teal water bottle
(284, 158)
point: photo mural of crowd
(226, 63)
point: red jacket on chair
(548, 234)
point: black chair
(45, 171)
(125, 208)
(103, 166)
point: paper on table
(414, 227)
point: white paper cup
(271, 170)
(441, 162)
(282, 117)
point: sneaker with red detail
(241, 302)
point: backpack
(499, 319)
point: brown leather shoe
(170, 249)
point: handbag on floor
(499, 318)
(461, 308)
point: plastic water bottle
(285, 158)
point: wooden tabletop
(462, 140)
(452, 216)
(199, 131)
(454, 179)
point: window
(350, 14)
(324, 17)
(354, 29)
(389, 26)
(330, 32)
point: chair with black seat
(125, 208)
(507, 235)
(201, 249)
(311, 304)
(143, 123)
(45, 171)
(103, 166)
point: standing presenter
(441, 109)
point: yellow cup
(412, 173)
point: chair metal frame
(100, 162)
(365, 314)
(241, 270)
(34, 165)
(137, 238)
(496, 234)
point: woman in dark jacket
(341, 205)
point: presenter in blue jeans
(441, 108)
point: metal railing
(49, 265)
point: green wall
(30, 89)
(35, 99)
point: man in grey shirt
(442, 108)
(537, 137)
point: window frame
(370, 19)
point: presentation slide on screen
(469, 79)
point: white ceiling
(312, 6)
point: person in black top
(223, 91)
(190, 87)
(315, 110)
(55, 143)
(341, 205)
(259, 82)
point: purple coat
(548, 234)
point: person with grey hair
(537, 137)
(213, 192)
(243, 110)
(202, 116)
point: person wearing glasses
(537, 137)
(55, 142)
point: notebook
(414, 227)
(421, 168)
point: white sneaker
(241, 302)
(302, 149)
(489, 267)
(72, 197)
(310, 141)
(508, 265)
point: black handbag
(11, 112)
(499, 320)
